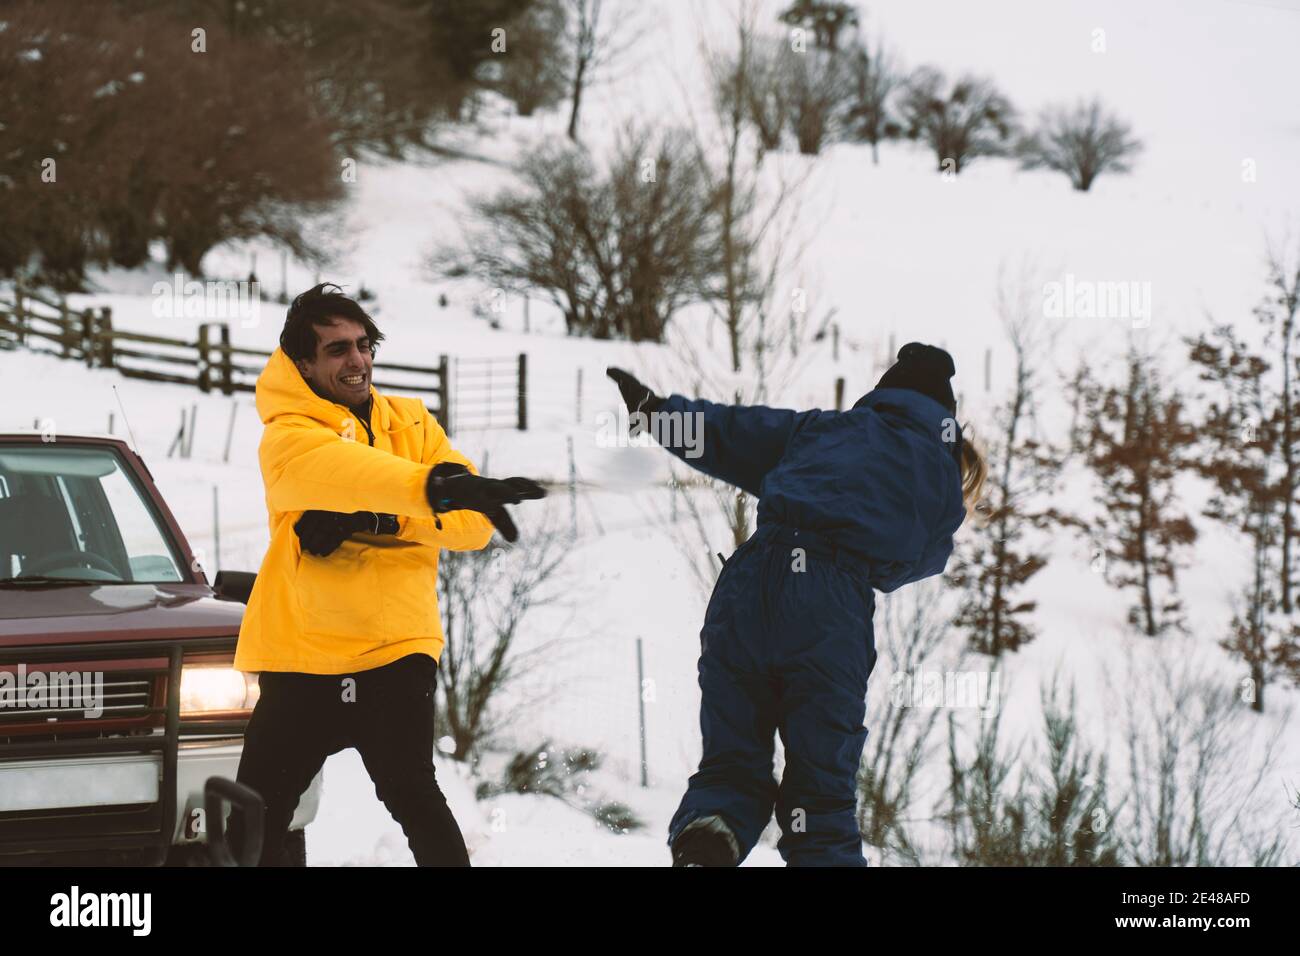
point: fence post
(189, 435)
(205, 375)
(839, 393)
(573, 489)
(227, 373)
(20, 316)
(106, 357)
(835, 341)
(230, 429)
(216, 532)
(640, 697)
(578, 407)
(444, 393)
(66, 330)
(523, 391)
(88, 336)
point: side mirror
(234, 585)
(217, 792)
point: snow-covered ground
(900, 253)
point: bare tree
(535, 69)
(767, 97)
(618, 251)
(827, 19)
(818, 89)
(960, 121)
(875, 79)
(1082, 141)
(755, 295)
(598, 33)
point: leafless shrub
(1196, 788)
(875, 79)
(819, 89)
(960, 121)
(1082, 141)
(617, 251)
(910, 631)
(485, 597)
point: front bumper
(75, 804)
(129, 797)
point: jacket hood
(281, 391)
(918, 407)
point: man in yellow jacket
(362, 491)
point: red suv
(118, 701)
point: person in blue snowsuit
(849, 503)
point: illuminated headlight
(207, 689)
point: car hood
(96, 611)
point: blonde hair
(974, 472)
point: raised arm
(738, 444)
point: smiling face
(340, 372)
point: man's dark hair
(319, 306)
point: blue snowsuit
(848, 501)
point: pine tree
(1241, 432)
(1022, 471)
(1136, 439)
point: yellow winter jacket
(375, 598)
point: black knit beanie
(924, 369)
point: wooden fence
(39, 323)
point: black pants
(387, 715)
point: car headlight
(208, 689)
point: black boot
(706, 841)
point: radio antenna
(134, 447)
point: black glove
(452, 487)
(321, 532)
(637, 397)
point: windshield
(77, 514)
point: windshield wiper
(40, 579)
